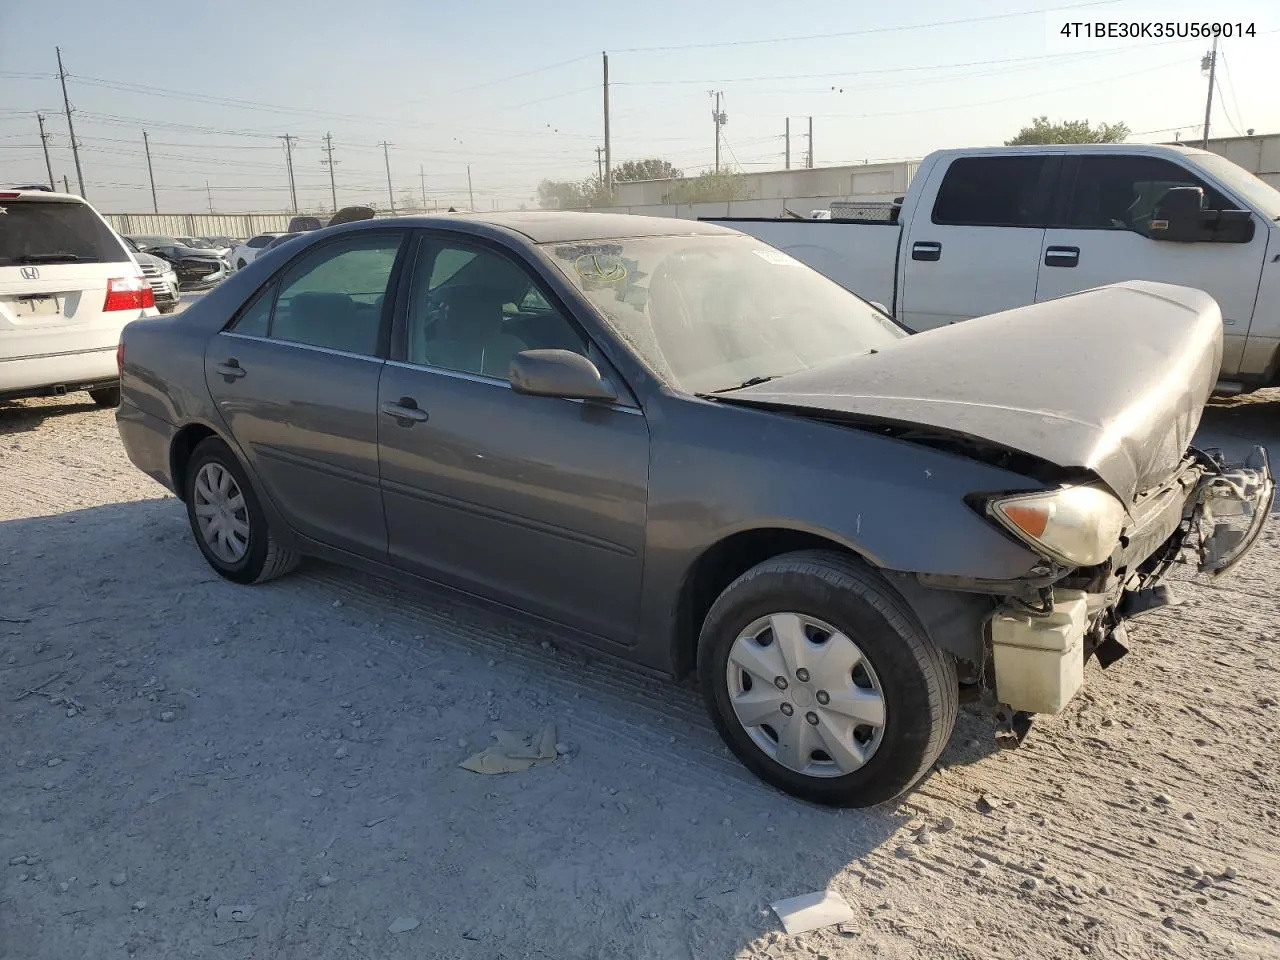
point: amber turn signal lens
(1030, 520)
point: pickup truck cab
(985, 230)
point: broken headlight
(1077, 526)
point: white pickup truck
(984, 230)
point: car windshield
(1253, 190)
(712, 313)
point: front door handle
(1061, 256)
(405, 410)
(231, 369)
(927, 250)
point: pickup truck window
(994, 192)
(1121, 193)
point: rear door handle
(231, 369)
(1061, 256)
(927, 250)
(405, 410)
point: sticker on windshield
(601, 268)
(777, 257)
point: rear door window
(333, 296)
(37, 232)
(995, 192)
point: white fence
(243, 225)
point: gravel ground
(174, 749)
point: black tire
(106, 396)
(167, 307)
(240, 265)
(917, 680)
(266, 557)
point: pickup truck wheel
(228, 522)
(822, 681)
(106, 396)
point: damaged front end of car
(1210, 514)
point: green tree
(651, 169)
(1069, 131)
(708, 187)
(571, 195)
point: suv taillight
(129, 293)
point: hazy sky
(514, 89)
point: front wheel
(229, 524)
(823, 682)
(240, 265)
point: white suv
(68, 286)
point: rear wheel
(167, 307)
(106, 396)
(229, 524)
(240, 265)
(823, 682)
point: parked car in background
(282, 239)
(196, 268)
(304, 224)
(244, 254)
(160, 275)
(684, 447)
(68, 286)
(146, 241)
(982, 230)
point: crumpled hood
(1111, 380)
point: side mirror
(1177, 215)
(558, 373)
(879, 306)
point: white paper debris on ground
(809, 911)
(514, 752)
(242, 913)
(403, 924)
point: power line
(1232, 87)
(866, 31)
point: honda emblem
(30, 273)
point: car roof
(560, 226)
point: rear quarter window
(34, 231)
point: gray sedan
(680, 446)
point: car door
(295, 378)
(973, 244)
(537, 502)
(1099, 236)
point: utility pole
(608, 147)
(720, 119)
(787, 136)
(1210, 60)
(288, 163)
(66, 187)
(600, 166)
(208, 193)
(146, 145)
(44, 142)
(810, 157)
(470, 193)
(422, 175)
(328, 148)
(71, 130)
(386, 158)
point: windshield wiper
(746, 383)
(52, 258)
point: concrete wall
(1260, 155)
(242, 225)
(858, 181)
